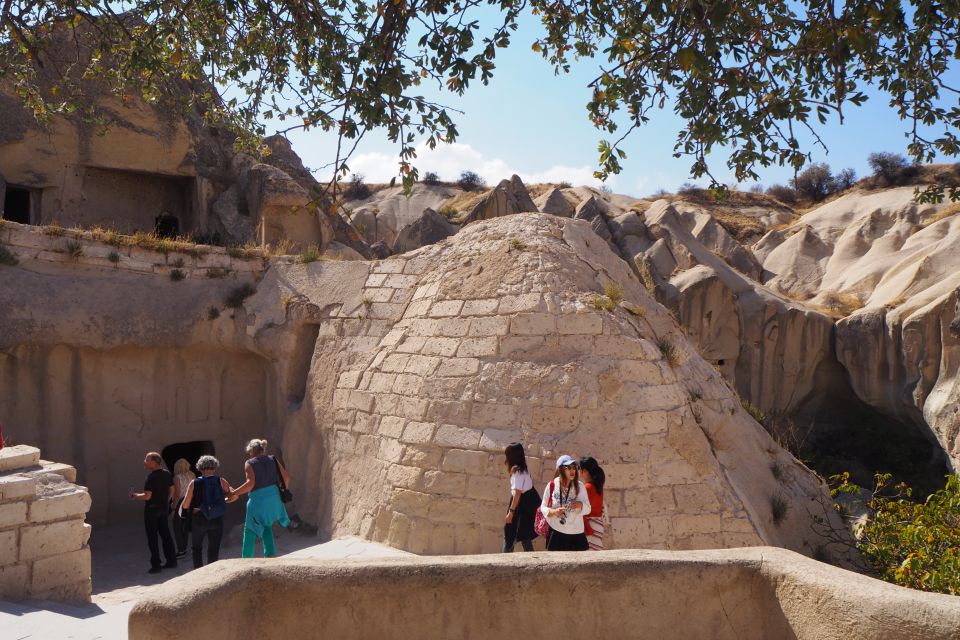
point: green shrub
(114, 257)
(431, 178)
(177, 275)
(669, 352)
(778, 508)
(213, 313)
(470, 181)
(310, 254)
(603, 303)
(912, 544)
(754, 412)
(74, 249)
(238, 294)
(7, 257)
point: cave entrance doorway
(17, 205)
(189, 450)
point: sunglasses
(569, 466)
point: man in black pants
(157, 495)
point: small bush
(778, 509)
(74, 249)
(754, 412)
(366, 301)
(782, 193)
(603, 303)
(448, 212)
(846, 179)
(563, 184)
(213, 313)
(909, 543)
(613, 291)
(777, 470)
(53, 229)
(7, 257)
(356, 189)
(177, 275)
(470, 181)
(238, 294)
(431, 178)
(310, 254)
(815, 182)
(112, 238)
(114, 257)
(887, 166)
(517, 243)
(669, 352)
(245, 252)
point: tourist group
(570, 513)
(198, 505)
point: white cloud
(450, 160)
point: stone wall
(498, 334)
(744, 594)
(43, 536)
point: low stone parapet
(43, 537)
(758, 593)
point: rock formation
(507, 198)
(429, 228)
(393, 386)
(555, 203)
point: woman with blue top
(264, 506)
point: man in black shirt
(157, 495)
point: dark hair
(515, 459)
(597, 476)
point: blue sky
(531, 122)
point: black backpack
(214, 502)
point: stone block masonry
(43, 537)
(497, 345)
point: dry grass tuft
(943, 214)
(614, 292)
(669, 352)
(603, 303)
(840, 304)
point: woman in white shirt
(564, 506)
(524, 501)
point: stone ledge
(20, 456)
(746, 594)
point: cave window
(189, 450)
(16, 205)
(166, 225)
(720, 363)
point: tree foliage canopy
(755, 77)
(913, 544)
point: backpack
(214, 503)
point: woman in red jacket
(593, 477)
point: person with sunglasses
(564, 505)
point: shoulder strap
(280, 482)
(550, 499)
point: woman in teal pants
(264, 506)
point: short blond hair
(257, 446)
